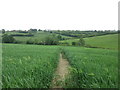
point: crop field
(28, 66)
(105, 41)
(33, 66)
(92, 68)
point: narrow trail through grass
(61, 72)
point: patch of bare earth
(61, 72)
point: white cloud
(59, 14)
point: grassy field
(105, 41)
(92, 68)
(14, 32)
(38, 36)
(33, 66)
(28, 66)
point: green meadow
(105, 41)
(37, 36)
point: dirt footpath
(61, 72)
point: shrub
(3, 31)
(50, 40)
(29, 42)
(73, 43)
(7, 38)
(17, 42)
(81, 42)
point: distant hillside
(105, 41)
(33, 37)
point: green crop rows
(28, 66)
(33, 66)
(92, 68)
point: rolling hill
(105, 41)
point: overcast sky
(59, 14)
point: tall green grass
(33, 66)
(28, 66)
(92, 68)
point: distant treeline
(8, 36)
(48, 40)
(28, 35)
(84, 34)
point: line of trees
(84, 34)
(49, 40)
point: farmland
(40, 59)
(105, 41)
(92, 68)
(28, 66)
(33, 66)
(37, 36)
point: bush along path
(61, 73)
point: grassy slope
(39, 36)
(106, 41)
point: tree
(29, 42)
(51, 32)
(32, 30)
(3, 31)
(7, 38)
(50, 40)
(39, 30)
(45, 30)
(73, 43)
(81, 42)
(59, 37)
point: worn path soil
(61, 72)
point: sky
(59, 14)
